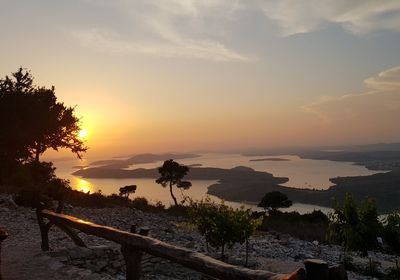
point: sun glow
(83, 186)
(83, 134)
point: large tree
(32, 120)
(171, 174)
(274, 200)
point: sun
(83, 134)
(83, 186)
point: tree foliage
(127, 190)
(32, 120)
(171, 174)
(222, 225)
(355, 226)
(39, 184)
(392, 232)
(274, 200)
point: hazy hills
(140, 159)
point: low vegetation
(311, 226)
(222, 225)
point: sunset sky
(181, 75)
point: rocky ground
(23, 259)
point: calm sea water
(302, 173)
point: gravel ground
(23, 259)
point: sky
(183, 75)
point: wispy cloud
(380, 102)
(171, 28)
(207, 29)
(108, 42)
(359, 17)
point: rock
(337, 272)
(316, 269)
(79, 253)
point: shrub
(356, 227)
(312, 226)
(140, 203)
(391, 232)
(394, 273)
(222, 225)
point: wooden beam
(183, 256)
(3, 236)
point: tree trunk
(247, 253)
(37, 154)
(223, 252)
(172, 194)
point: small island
(270, 159)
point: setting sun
(83, 186)
(83, 133)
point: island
(139, 159)
(245, 184)
(270, 159)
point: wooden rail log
(183, 256)
(3, 236)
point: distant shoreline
(270, 159)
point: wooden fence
(3, 236)
(133, 245)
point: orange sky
(150, 76)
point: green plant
(347, 261)
(354, 226)
(372, 269)
(222, 225)
(394, 273)
(391, 232)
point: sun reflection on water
(84, 186)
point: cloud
(358, 17)
(379, 104)
(169, 28)
(208, 29)
(105, 41)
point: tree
(127, 190)
(171, 174)
(355, 227)
(274, 200)
(392, 232)
(222, 225)
(32, 120)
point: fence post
(3, 235)
(44, 229)
(133, 256)
(316, 269)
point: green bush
(356, 227)
(222, 225)
(394, 273)
(391, 232)
(312, 226)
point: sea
(302, 173)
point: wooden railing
(3, 236)
(133, 245)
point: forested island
(245, 184)
(270, 159)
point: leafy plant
(394, 273)
(356, 227)
(391, 232)
(222, 225)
